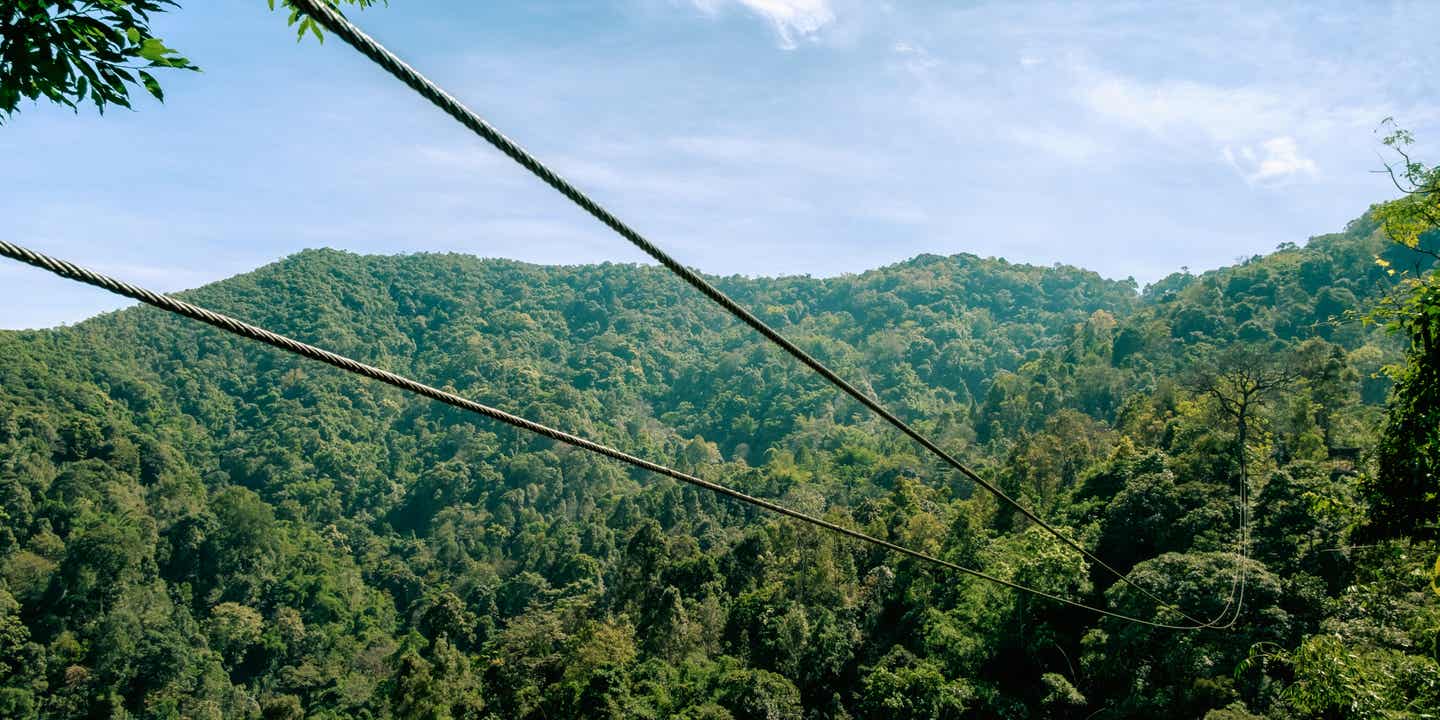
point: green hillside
(192, 526)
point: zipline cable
(74, 272)
(332, 20)
(1244, 554)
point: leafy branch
(304, 23)
(72, 51)
(1417, 211)
(67, 52)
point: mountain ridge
(199, 526)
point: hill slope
(197, 527)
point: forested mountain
(193, 526)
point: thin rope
(236, 327)
(333, 21)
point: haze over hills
(195, 526)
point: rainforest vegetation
(193, 526)
(196, 527)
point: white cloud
(1259, 131)
(1172, 109)
(793, 20)
(1278, 160)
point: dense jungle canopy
(192, 526)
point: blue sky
(745, 136)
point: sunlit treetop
(1417, 211)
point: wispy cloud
(1262, 132)
(1276, 161)
(793, 20)
(1175, 109)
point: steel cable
(332, 20)
(74, 272)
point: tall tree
(1240, 380)
(1405, 493)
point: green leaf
(153, 49)
(133, 34)
(152, 85)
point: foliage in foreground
(68, 52)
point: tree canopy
(195, 527)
